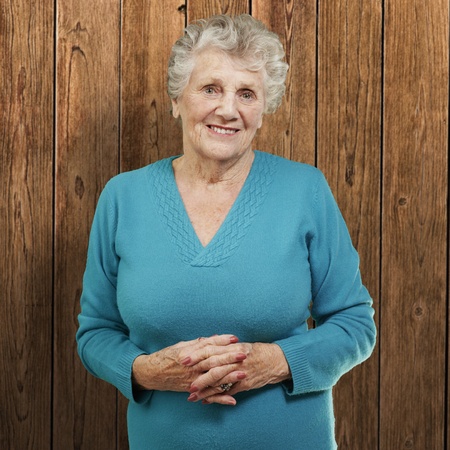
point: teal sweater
(282, 254)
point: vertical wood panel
(414, 225)
(149, 132)
(87, 156)
(290, 132)
(26, 143)
(349, 130)
(93, 41)
(200, 9)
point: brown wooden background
(82, 97)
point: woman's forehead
(216, 67)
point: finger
(239, 351)
(218, 360)
(220, 339)
(209, 382)
(222, 399)
(202, 348)
(222, 389)
(189, 343)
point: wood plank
(26, 155)
(26, 199)
(200, 9)
(290, 132)
(414, 259)
(87, 156)
(349, 130)
(148, 130)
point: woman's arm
(103, 338)
(345, 332)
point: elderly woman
(204, 268)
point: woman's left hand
(265, 364)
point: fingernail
(193, 389)
(233, 340)
(241, 375)
(241, 357)
(231, 402)
(192, 398)
(186, 361)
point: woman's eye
(209, 90)
(247, 95)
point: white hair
(242, 37)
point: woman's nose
(228, 107)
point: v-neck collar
(235, 225)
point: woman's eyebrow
(209, 80)
(219, 81)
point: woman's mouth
(221, 130)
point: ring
(226, 387)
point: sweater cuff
(124, 378)
(295, 355)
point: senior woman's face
(221, 107)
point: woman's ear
(175, 108)
(260, 121)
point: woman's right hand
(169, 369)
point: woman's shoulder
(134, 180)
(294, 171)
(300, 182)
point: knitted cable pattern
(235, 225)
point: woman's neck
(208, 173)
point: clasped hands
(202, 365)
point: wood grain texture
(349, 131)
(148, 132)
(112, 114)
(290, 132)
(414, 285)
(86, 157)
(200, 9)
(26, 152)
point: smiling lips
(222, 130)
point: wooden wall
(83, 97)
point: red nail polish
(193, 389)
(241, 376)
(192, 398)
(233, 340)
(186, 361)
(241, 357)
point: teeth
(223, 130)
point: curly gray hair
(242, 37)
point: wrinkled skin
(200, 366)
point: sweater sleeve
(345, 331)
(102, 337)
